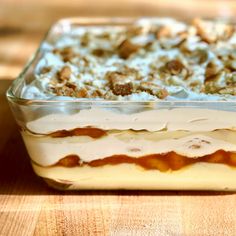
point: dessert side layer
(200, 176)
(131, 117)
(47, 151)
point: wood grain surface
(29, 207)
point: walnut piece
(174, 67)
(211, 32)
(121, 84)
(64, 73)
(45, 70)
(96, 94)
(100, 52)
(66, 53)
(70, 90)
(198, 56)
(127, 48)
(134, 30)
(153, 89)
(230, 90)
(81, 93)
(215, 83)
(212, 69)
(163, 31)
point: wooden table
(29, 207)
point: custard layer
(47, 151)
(199, 176)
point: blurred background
(24, 22)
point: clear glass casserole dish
(104, 144)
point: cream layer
(199, 176)
(190, 119)
(47, 150)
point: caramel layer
(88, 131)
(161, 162)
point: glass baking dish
(91, 144)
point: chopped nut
(70, 85)
(163, 31)
(45, 70)
(71, 91)
(199, 56)
(84, 40)
(174, 67)
(66, 53)
(231, 91)
(130, 72)
(82, 93)
(201, 31)
(63, 91)
(211, 71)
(109, 95)
(215, 83)
(99, 52)
(210, 32)
(64, 73)
(153, 89)
(148, 46)
(122, 89)
(169, 40)
(231, 79)
(228, 32)
(183, 34)
(104, 35)
(127, 48)
(85, 61)
(96, 93)
(134, 31)
(195, 84)
(120, 84)
(231, 65)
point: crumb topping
(149, 60)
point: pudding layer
(136, 117)
(200, 176)
(47, 151)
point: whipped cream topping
(150, 60)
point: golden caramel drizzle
(161, 162)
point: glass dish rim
(90, 21)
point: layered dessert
(147, 105)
